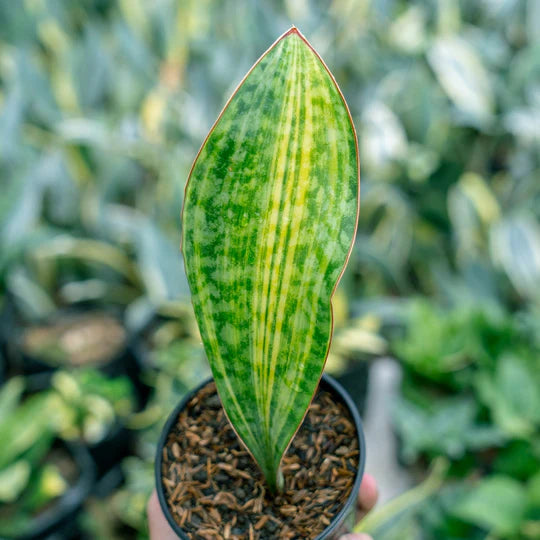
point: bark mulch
(215, 490)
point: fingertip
(356, 536)
(370, 485)
(158, 527)
(368, 495)
(152, 503)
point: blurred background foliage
(103, 105)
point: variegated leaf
(269, 218)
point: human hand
(157, 522)
(161, 530)
(367, 498)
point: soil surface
(84, 339)
(215, 490)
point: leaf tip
(292, 31)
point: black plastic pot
(109, 482)
(125, 361)
(60, 519)
(115, 446)
(343, 521)
(6, 317)
(3, 369)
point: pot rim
(327, 381)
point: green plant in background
(490, 357)
(87, 403)
(448, 345)
(489, 428)
(27, 481)
(130, 502)
(269, 218)
(494, 507)
(450, 175)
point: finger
(356, 536)
(157, 523)
(368, 494)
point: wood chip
(262, 522)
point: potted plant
(76, 338)
(94, 410)
(269, 220)
(43, 481)
(75, 316)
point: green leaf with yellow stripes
(269, 219)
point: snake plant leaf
(269, 219)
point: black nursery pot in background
(109, 452)
(342, 522)
(6, 328)
(121, 359)
(59, 520)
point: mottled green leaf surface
(269, 218)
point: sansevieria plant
(269, 220)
